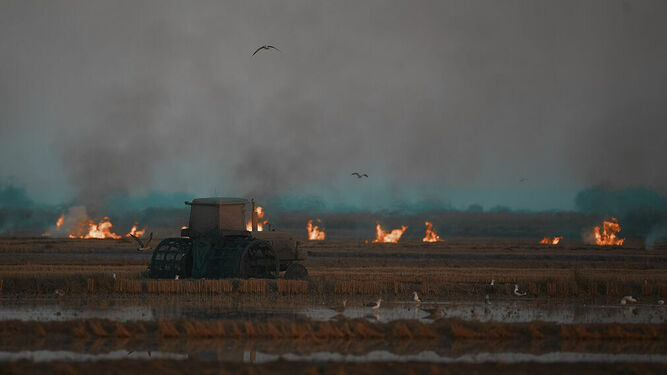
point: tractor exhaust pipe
(254, 216)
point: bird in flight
(141, 244)
(359, 175)
(266, 46)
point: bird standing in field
(628, 299)
(415, 296)
(375, 305)
(487, 300)
(267, 47)
(517, 292)
(341, 309)
(491, 287)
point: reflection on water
(502, 311)
(373, 356)
(513, 311)
(47, 313)
(62, 355)
(432, 357)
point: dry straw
(292, 287)
(253, 286)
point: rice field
(91, 302)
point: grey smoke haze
(447, 100)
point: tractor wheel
(259, 260)
(172, 257)
(296, 271)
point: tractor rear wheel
(259, 260)
(171, 258)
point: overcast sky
(448, 100)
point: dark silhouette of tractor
(217, 244)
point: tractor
(218, 243)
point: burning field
(407, 291)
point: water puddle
(373, 356)
(47, 313)
(432, 357)
(509, 312)
(501, 311)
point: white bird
(628, 299)
(176, 278)
(340, 309)
(491, 288)
(517, 292)
(267, 47)
(141, 244)
(377, 304)
(661, 302)
(114, 276)
(416, 297)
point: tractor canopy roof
(217, 201)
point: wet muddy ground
(116, 332)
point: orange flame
(260, 223)
(430, 236)
(135, 232)
(314, 232)
(608, 236)
(99, 230)
(391, 237)
(554, 241)
(60, 221)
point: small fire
(608, 236)
(99, 230)
(260, 223)
(60, 221)
(391, 237)
(136, 232)
(314, 232)
(430, 236)
(554, 241)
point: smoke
(75, 221)
(657, 233)
(640, 211)
(131, 97)
(19, 214)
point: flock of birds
(491, 288)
